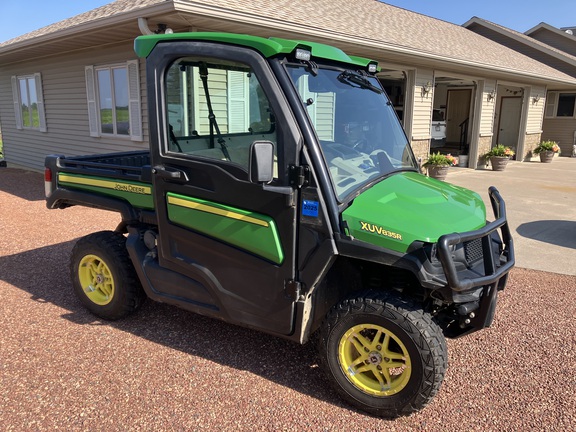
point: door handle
(174, 175)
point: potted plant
(499, 156)
(438, 164)
(547, 150)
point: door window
(216, 109)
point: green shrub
(500, 150)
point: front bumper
(497, 259)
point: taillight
(47, 182)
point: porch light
(302, 54)
(426, 89)
(536, 99)
(491, 95)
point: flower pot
(546, 156)
(463, 161)
(439, 172)
(499, 162)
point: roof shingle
(390, 27)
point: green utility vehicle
(280, 193)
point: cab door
(233, 241)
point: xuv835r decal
(253, 232)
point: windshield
(360, 135)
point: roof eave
(118, 18)
(531, 44)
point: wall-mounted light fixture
(426, 89)
(536, 99)
(491, 96)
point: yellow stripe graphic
(217, 211)
(123, 187)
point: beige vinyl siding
(535, 109)
(422, 114)
(65, 102)
(217, 86)
(562, 131)
(488, 106)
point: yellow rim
(96, 280)
(374, 360)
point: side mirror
(261, 168)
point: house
(76, 87)
(552, 46)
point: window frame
(134, 100)
(553, 103)
(18, 102)
(198, 111)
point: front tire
(103, 276)
(383, 354)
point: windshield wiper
(349, 77)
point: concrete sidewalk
(541, 206)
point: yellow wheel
(383, 353)
(374, 360)
(103, 276)
(96, 279)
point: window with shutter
(560, 105)
(28, 101)
(113, 96)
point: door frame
(520, 113)
(469, 90)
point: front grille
(473, 250)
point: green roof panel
(143, 45)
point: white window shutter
(92, 104)
(238, 110)
(551, 101)
(40, 103)
(134, 105)
(17, 103)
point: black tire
(103, 276)
(383, 354)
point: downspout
(143, 26)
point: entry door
(509, 124)
(233, 239)
(457, 111)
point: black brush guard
(495, 272)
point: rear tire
(383, 354)
(103, 276)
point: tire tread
(418, 325)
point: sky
(21, 17)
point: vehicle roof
(143, 45)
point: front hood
(409, 206)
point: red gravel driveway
(167, 369)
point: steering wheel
(363, 146)
(381, 159)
